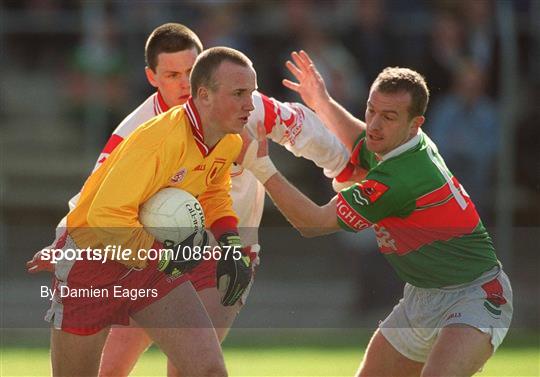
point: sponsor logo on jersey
(358, 198)
(200, 167)
(179, 177)
(368, 192)
(349, 216)
(216, 167)
(385, 241)
(372, 190)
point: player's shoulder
(232, 142)
(381, 181)
(415, 170)
(144, 112)
(169, 127)
(174, 119)
(233, 139)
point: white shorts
(415, 322)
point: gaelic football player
(457, 303)
(202, 132)
(170, 52)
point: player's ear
(203, 94)
(417, 122)
(151, 76)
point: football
(172, 215)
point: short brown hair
(202, 73)
(397, 79)
(169, 38)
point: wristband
(261, 167)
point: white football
(172, 214)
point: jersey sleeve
(113, 213)
(368, 202)
(111, 145)
(216, 200)
(300, 131)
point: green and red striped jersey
(425, 223)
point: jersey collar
(159, 104)
(196, 126)
(402, 148)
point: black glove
(174, 262)
(233, 270)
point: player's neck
(210, 128)
(212, 135)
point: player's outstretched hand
(254, 154)
(38, 263)
(234, 269)
(181, 258)
(310, 85)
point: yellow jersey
(166, 151)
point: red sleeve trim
(223, 225)
(346, 173)
(113, 142)
(355, 155)
(270, 114)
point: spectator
(465, 126)
(445, 52)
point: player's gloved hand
(39, 263)
(174, 262)
(233, 272)
(254, 155)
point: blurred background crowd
(71, 70)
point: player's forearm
(342, 123)
(306, 216)
(317, 143)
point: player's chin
(239, 125)
(371, 145)
(375, 146)
(182, 99)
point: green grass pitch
(276, 352)
(273, 361)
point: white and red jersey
(292, 125)
(154, 105)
